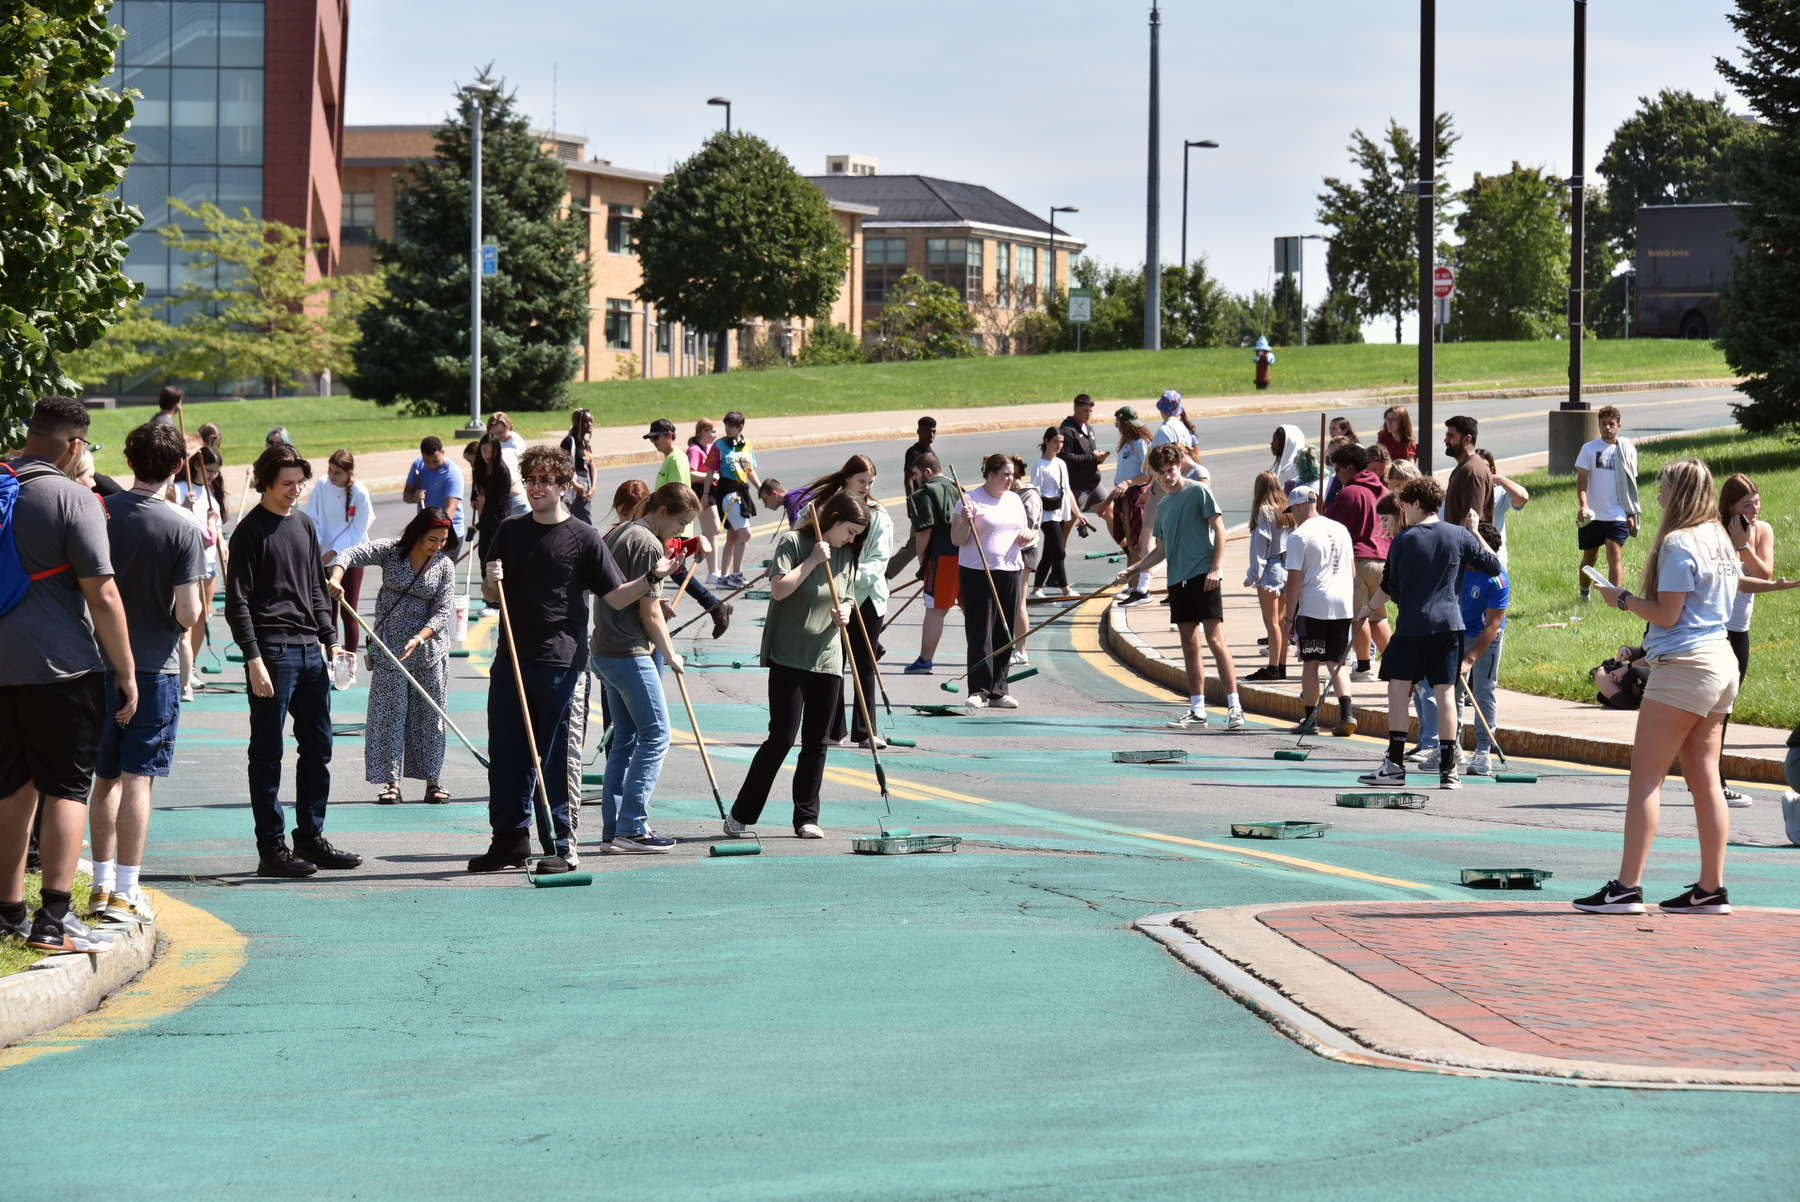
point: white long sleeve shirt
(339, 531)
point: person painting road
(1319, 599)
(1606, 496)
(931, 508)
(1190, 537)
(1424, 568)
(989, 530)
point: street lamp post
(474, 94)
(1186, 151)
(1427, 219)
(1050, 268)
(1573, 422)
(1152, 267)
(722, 352)
(726, 104)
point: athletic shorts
(146, 745)
(1322, 639)
(1597, 534)
(943, 581)
(1192, 602)
(1703, 681)
(1368, 582)
(1089, 499)
(732, 507)
(1433, 658)
(50, 735)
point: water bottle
(343, 669)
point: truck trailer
(1684, 257)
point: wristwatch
(1623, 597)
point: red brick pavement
(1681, 992)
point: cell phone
(1594, 575)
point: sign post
(490, 257)
(1081, 310)
(1443, 287)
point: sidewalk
(1530, 726)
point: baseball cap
(1126, 412)
(659, 427)
(1302, 494)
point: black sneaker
(721, 618)
(274, 859)
(551, 865)
(1134, 597)
(504, 851)
(1697, 901)
(1613, 899)
(1449, 778)
(320, 851)
(1266, 673)
(68, 935)
(18, 930)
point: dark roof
(922, 198)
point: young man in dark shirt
(1424, 576)
(1083, 461)
(1471, 487)
(548, 564)
(908, 550)
(279, 614)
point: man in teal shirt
(1189, 532)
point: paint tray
(903, 845)
(1505, 878)
(1279, 830)
(1150, 757)
(757, 594)
(954, 709)
(1382, 801)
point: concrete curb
(60, 989)
(1339, 1016)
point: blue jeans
(1484, 678)
(145, 746)
(633, 696)
(512, 777)
(303, 689)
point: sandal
(388, 796)
(436, 795)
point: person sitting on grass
(1424, 568)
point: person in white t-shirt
(1321, 589)
(1606, 491)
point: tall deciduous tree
(1197, 310)
(734, 233)
(1675, 150)
(63, 153)
(1761, 305)
(1514, 281)
(1374, 256)
(415, 339)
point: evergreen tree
(735, 232)
(1334, 322)
(1761, 304)
(415, 339)
(1514, 281)
(63, 154)
(1374, 256)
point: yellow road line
(203, 952)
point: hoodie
(1292, 443)
(1354, 508)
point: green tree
(829, 344)
(919, 320)
(63, 153)
(1196, 309)
(1675, 150)
(734, 232)
(1604, 285)
(415, 338)
(1334, 322)
(1761, 304)
(1374, 255)
(1514, 281)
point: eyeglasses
(540, 482)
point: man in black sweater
(276, 606)
(1083, 461)
(1424, 577)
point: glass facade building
(199, 122)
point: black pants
(986, 629)
(1740, 647)
(1050, 560)
(802, 703)
(865, 618)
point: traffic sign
(1443, 283)
(1081, 305)
(1287, 256)
(490, 259)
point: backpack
(14, 579)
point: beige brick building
(619, 330)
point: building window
(1028, 275)
(664, 334)
(620, 219)
(955, 263)
(618, 325)
(1003, 273)
(884, 262)
(358, 222)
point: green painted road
(809, 1023)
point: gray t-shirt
(47, 635)
(619, 633)
(155, 548)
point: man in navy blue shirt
(1424, 578)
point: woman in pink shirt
(990, 532)
(703, 461)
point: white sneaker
(977, 702)
(1037, 594)
(1234, 718)
(1020, 659)
(734, 828)
(1738, 801)
(1363, 675)
(187, 693)
(1389, 774)
(1006, 701)
(1790, 814)
(880, 742)
(1480, 765)
(810, 830)
(1192, 720)
(130, 907)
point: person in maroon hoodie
(1353, 505)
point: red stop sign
(1443, 283)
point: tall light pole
(1186, 150)
(1152, 264)
(1427, 219)
(1050, 269)
(1578, 211)
(722, 352)
(474, 94)
(720, 100)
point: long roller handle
(1063, 612)
(512, 646)
(699, 741)
(413, 680)
(855, 680)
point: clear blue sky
(1045, 103)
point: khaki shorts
(1368, 582)
(1703, 681)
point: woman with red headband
(415, 614)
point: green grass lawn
(319, 425)
(14, 955)
(1544, 562)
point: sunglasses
(540, 481)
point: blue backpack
(14, 579)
